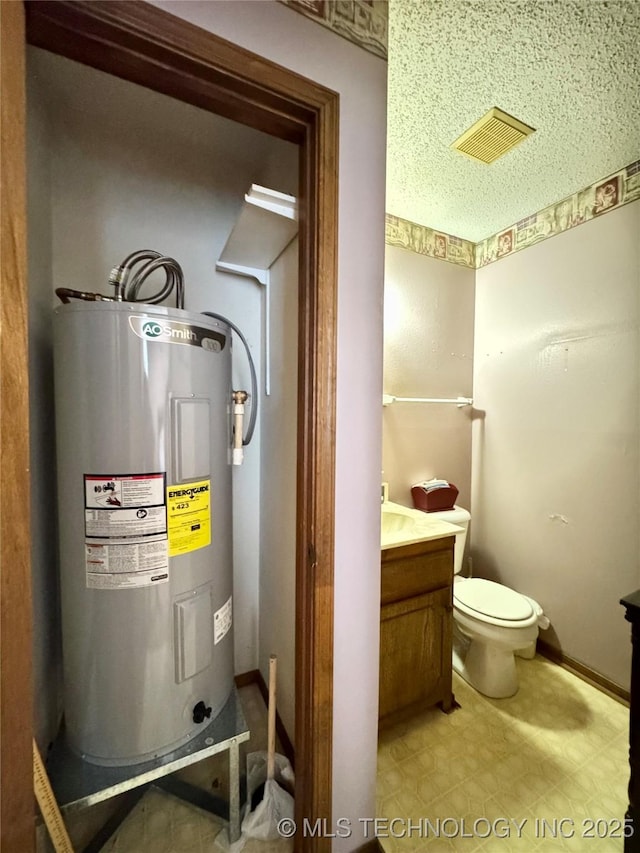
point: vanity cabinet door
(415, 653)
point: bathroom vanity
(416, 620)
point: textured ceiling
(569, 68)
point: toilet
(492, 623)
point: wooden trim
(254, 676)
(317, 332)
(145, 45)
(601, 682)
(247, 678)
(16, 756)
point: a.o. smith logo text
(165, 331)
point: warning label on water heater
(118, 565)
(222, 621)
(126, 539)
(189, 516)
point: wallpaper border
(427, 241)
(604, 195)
(363, 22)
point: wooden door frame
(147, 46)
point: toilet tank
(461, 518)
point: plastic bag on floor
(264, 820)
(261, 823)
(277, 801)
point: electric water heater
(143, 426)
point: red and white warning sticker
(125, 523)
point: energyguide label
(189, 514)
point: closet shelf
(267, 223)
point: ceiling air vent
(492, 136)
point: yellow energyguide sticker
(189, 517)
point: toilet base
(488, 668)
(527, 653)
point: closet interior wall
(114, 167)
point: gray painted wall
(114, 167)
(274, 31)
(278, 488)
(428, 352)
(47, 661)
(289, 39)
(550, 450)
(556, 478)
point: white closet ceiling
(568, 68)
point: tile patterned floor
(161, 823)
(556, 751)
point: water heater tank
(144, 504)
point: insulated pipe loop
(128, 283)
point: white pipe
(387, 399)
(239, 399)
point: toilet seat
(493, 603)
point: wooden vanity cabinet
(416, 621)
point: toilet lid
(492, 599)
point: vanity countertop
(402, 525)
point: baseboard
(247, 678)
(254, 676)
(582, 671)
